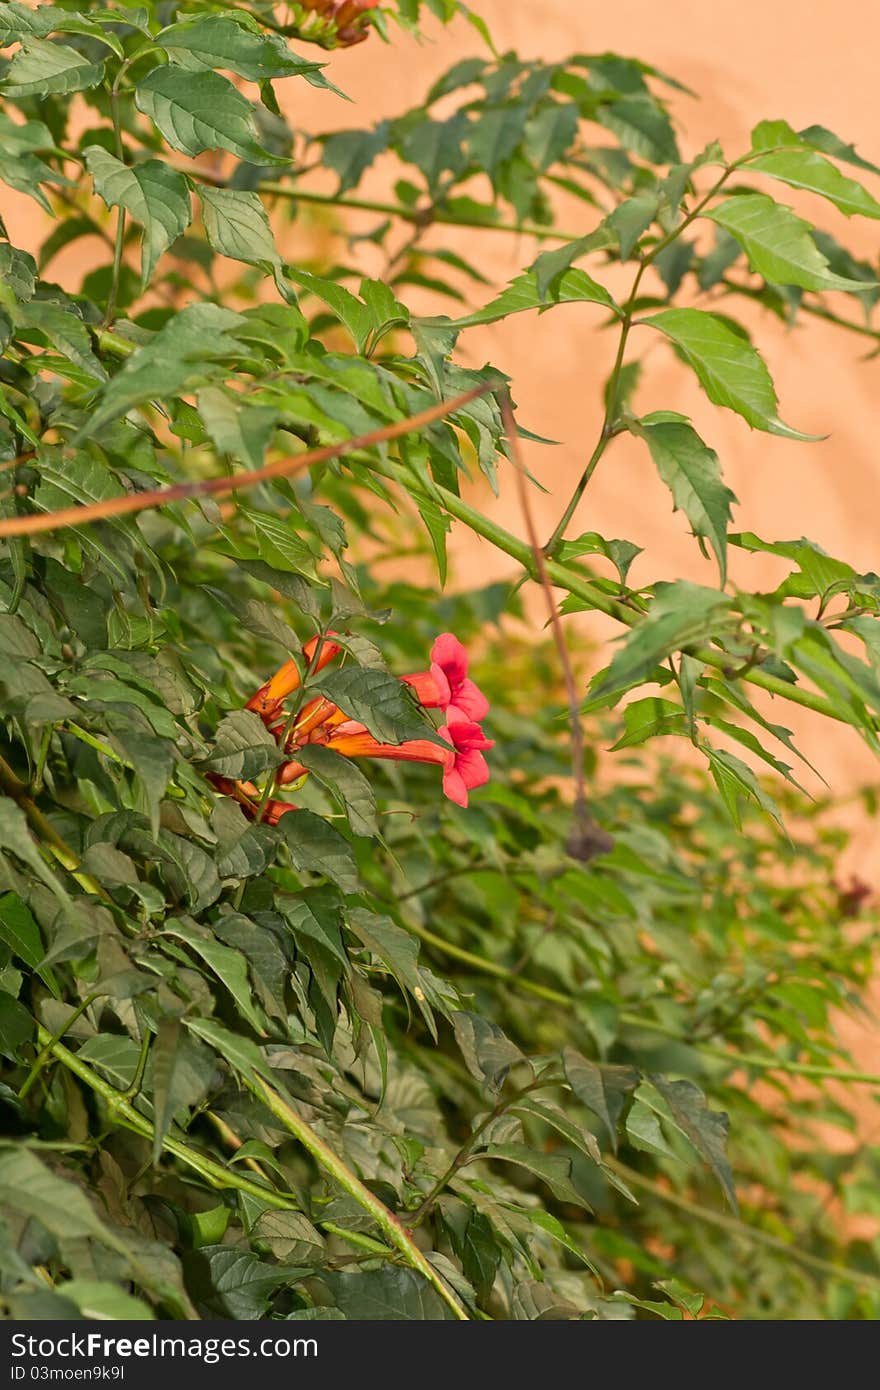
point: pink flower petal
(449, 653)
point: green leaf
(186, 348)
(156, 196)
(65, 331)
(488, 1052)
(224, 41)
(348, 784)
(728, 368)
(550, 132)
(397, 950)
(19, 21)
(100, 1299)
(829, 143)
(631, 218)
(235, 1050)
(181, 1075)
(378, 700)
(642, 126)
(315, 847)
(15, 838)
(778, 243)
(398, 1295)
(569, 287)
(552, 1169)
(602, 1089)
(240, 430)
(349, 153)
(620, 553)
(17, 1027)
(681, 615)
(198, 111)
(736, 783)
(243, 747)
(692, 472)
(651, 718)
(227, 1283)
(32, 1189)
(237, 226)
(346, 306)
(227, 964)
(40, 68)
(706, 1129)
(22, 935)
(812, 172)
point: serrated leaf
(778, 243)
(570, 287)
(602, 1089)
(315, 847)
(377, 700)
(692, 472)
(349, 153)
(347, 782)
(65, 331)
(706, 1129)
(552, 1169)
(156, 196)
(488, 1052)
(223, 41)
(387, 1293)
(620, 553)
(681, 614)
(22, 935)
(243, 747)
(237, 225)
(40, 68)
(736, 783)
(728, 368)
(230, 1283)
(810, 171)
(186, 348)
(227, 964)
(198, 111)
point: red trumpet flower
(268, 702)
(446, 685)
(463, 764)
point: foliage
(380, 1055)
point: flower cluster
(347, 15)
(445, 687)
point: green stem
(45, 1052)
(119, 244)
(743, 1230)
(607, 431)
(13, 787)
(387, 1222)
(464, 1153)
(135, 1085)
(218, 1175)
(417, 216)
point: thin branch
(388, 1223)
(219, 487)
(611, 405)
(587, 839)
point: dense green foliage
(384, 1055)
